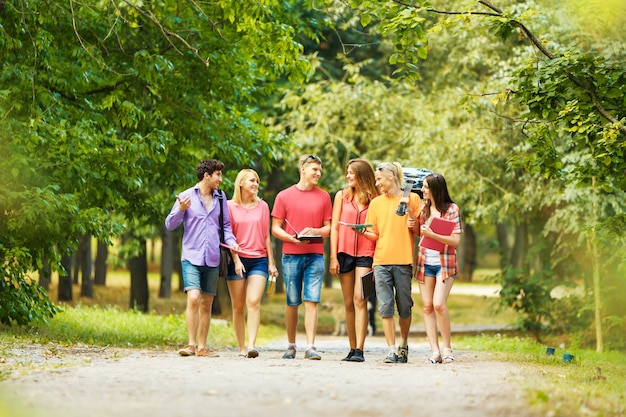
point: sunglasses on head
(387, 166)
(311, 157)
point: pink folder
(441, 227)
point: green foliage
(105, 108)
(22, 300)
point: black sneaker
(391, 358)
(403, 354)
(290, 353)
(350, 355)
(358, 356)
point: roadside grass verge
(593, 384)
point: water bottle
(401, 210)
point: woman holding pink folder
(437, 267)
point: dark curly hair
(209, 166)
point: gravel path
(105, 383)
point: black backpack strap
(220, 197)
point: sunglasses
(387, 166)
(309, 157)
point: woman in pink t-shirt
(351, 254)
(247, 275)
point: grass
(594, 384)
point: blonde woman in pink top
(351, 254)
(247, 275)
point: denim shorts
(252, 266)
(347, 263)
(303, 272)
(432, 270)
(203, 278)
(389, 278)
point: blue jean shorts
(303, 273)
(394, 280)
(432, 270)
(203, 278)
(252, 266)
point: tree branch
(168, 33)
(537, 43)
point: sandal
(447, 355)
(434, 358)
(253, 353)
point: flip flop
(252, 353)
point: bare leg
(192, 315)
(389, 328)
(310, 321)
(255, 290)
(347, 289)
(206, 302)
(440, 299)
(360, 308)
(291, 322)
(237, 290)
(430, 320)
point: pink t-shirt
(250, 227)
(302, 209)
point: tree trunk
(467, 253)
(177, 264)
(75, 272)
(595, 267)
(503, 244)
(221, 302)
(520, 246)
(86, 266)
(65, 280)
(102, 253)
(138, 267)
(168, 242)
(45, 274)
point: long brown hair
(439, 191)
(364, 175)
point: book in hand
(441, 227)
(309, 238)
(305, 238)
(368, 285)
(356, 226)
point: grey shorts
(394, 281)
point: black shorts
(347, 263)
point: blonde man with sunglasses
(393, 256)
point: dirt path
(162, 384)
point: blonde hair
(395, 169)
(243, 175)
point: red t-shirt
(302, 209)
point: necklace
(249, 205)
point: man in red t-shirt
(300, 211)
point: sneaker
(188, 350)
(312, 354)
(208, 353)
(350, 355)
(391, 358)
(403, 354)
(290, 354)
(358, 356)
